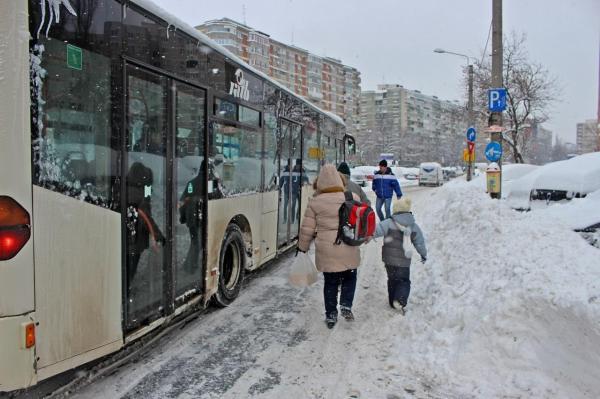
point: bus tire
(232, 264)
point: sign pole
(471, 120)
(497, 59)
(471, 137)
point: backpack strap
(348, 196)
(406, 238)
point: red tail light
(14, 227)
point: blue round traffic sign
(471, 134)
(493, 151)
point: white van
(431, 174)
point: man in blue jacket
(384, 185)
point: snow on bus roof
(172, 20)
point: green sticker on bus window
(74, 57)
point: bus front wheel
(232, 264)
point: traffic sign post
(471, 136)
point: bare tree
(531, 92)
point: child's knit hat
(402, 205)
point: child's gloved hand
(423, 259)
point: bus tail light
(15, 227)
(29, 335)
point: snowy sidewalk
(507, 305)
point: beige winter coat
(321, 224)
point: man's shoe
(330, 321)
(347, 313)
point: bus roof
(179, 24)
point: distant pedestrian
(337, 262)
(400, 233)
(385, 185)
(350, 185)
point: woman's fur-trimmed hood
(329, 180)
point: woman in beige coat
(337, 262)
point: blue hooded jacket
(385, 184)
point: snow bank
(508, 303)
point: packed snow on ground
(507, 305)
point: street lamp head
(439, 50)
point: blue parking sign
(496, 100)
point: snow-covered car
(359, 178)
(556, 182)
(450, 172)
(579, 214)
(362, 172)
(512, 173)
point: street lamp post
(470, 100)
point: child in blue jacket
(400, 233)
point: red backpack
(357, 222)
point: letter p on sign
(496, 100)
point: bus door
(291, 178)
(164, 195)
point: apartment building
(413, 126)
(587, 136)
(325, 81)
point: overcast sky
(392, 41)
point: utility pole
(497, 81)
(471, 119)
(470, 114)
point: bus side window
(72, 146)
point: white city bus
(143, 169)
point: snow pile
(508, 303)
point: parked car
(449, 172)
(430, 173)
(362, 173)
(556, 182)
(359, 178)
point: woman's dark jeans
(346, 279)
